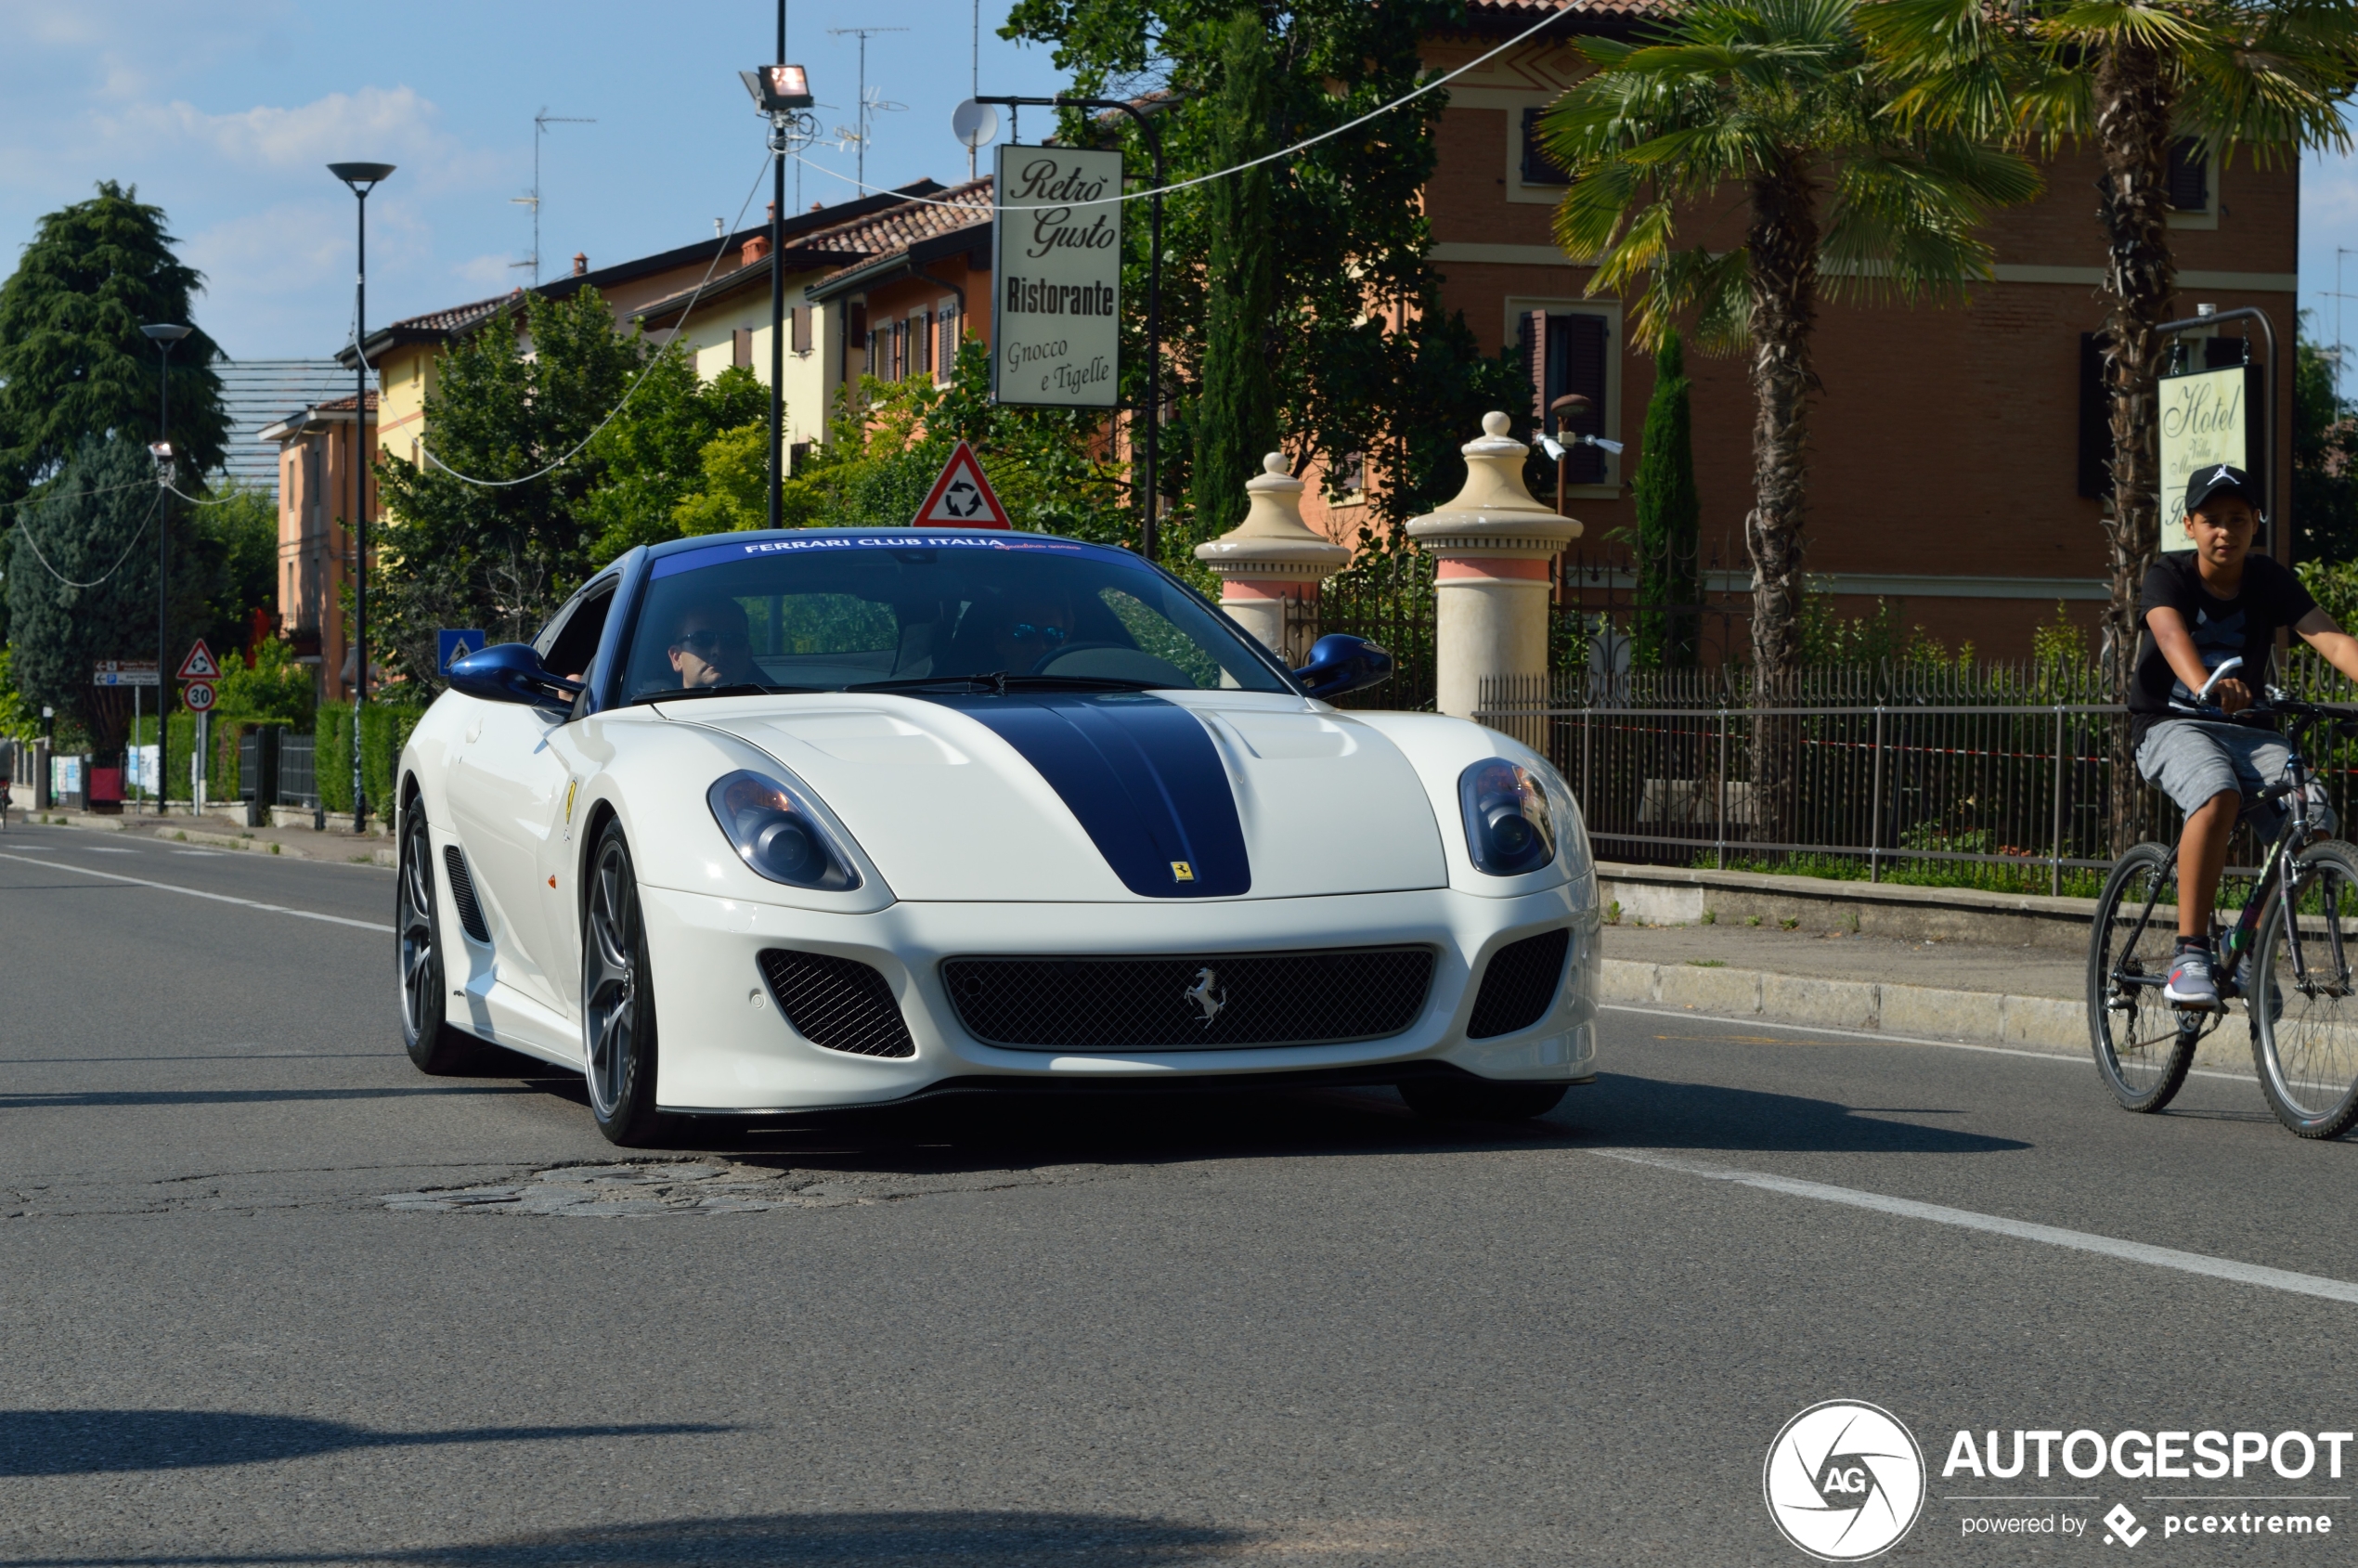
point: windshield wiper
(735, 689)
(1000, 683)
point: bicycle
(2295, 943)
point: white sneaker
(2190, 980)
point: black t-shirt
(2269, 599)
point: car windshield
(828, 612)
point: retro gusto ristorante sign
(1055, 253)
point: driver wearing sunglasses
(1036, 628)
(713, 645)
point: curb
(2046, 1023)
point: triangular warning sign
(962, 497)
(199, 664)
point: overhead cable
(24, 533)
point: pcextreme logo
(1844, 1481)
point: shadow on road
(871, 1540)
(99, 1442)
(1622, 1111)
(70, 1099)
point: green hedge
(384, 730)
(220, 772)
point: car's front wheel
(619, 1000)
(433, 1044)
(1477, 1099)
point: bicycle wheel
(2304, 1028)
(2143, 1044)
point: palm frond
(2122, 21)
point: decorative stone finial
(1274, 462)
(1272, 542)
(1494, 424)
(1494, 514)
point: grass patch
(1708, 963)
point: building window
(801, 326)
(798, 454)
(920, 344)
(1570, 354)
(945, 358)
(1353, 472)
(2189, 177)
(1539, 168)
(741, 347)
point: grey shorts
(2193, 761)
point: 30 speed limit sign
(198, 695)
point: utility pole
(166, 336)
(868, 109)
(782, 94)
(541, 123)
(363, 178)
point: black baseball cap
(2220, 479)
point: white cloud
(394, 126)
(487, 272)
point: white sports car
(772, 822)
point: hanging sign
(199, 664)
(1055, 273)
(2206, 420)
(961, 497)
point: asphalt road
(269, 1296)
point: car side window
(568, 642)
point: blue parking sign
(450, 645)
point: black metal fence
(1390, 603)
(1877, 771)
(298, 778)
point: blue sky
(225, 111)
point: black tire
(2143, 1044)
(619, 1000)
(1476, 1099)
(426, 1034)
(2304, 1032)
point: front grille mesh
(463, 893)
(1159, 1003)
(838, 1002)
(1519, 985)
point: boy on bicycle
(2200, 608)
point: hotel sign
(2206, 420)
(1055, 273)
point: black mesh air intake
(838, 1002)
(463, 893)
(1519, 985)
(1210, 1001)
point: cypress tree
(73, 362)
(1669, 520)
(1237, 412)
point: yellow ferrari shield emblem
(1182, 871)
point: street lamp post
(781, 93)
(166, 336)
(362, 178)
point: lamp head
(360, 176)
(778, 89)
(166, 333)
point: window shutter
(1537, 167)
(1534, 364)
(2189, 177)
(741, 347)
(1580, 369)
(2095, 419)
(946, 357)
(801, 320)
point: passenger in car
(1033, 628)
(713, 645)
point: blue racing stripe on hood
(1141, 774)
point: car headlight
(777, 834)
(1510, 822)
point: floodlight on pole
(362, 178)
(166, 336)
(780, 95)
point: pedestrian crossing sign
(962, 497)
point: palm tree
(1779, 103)
(1776, 103)
(2134, 77)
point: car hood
(1115, 796)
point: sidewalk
(2026, 996)
(214, 832)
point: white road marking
(2069, 1058)
(2022, 1230)
(200, 893)
(103, 849)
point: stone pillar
(1270, 557)
(1492, 546)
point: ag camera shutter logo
(1844, 1481)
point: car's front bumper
(724, 1048)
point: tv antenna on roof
(871, 104)
(541, 123)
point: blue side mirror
(1339, 663)
(511, 672)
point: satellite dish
(974, 125)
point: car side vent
(838, 1002)
(1519, 985)
(463, 893)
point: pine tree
(73, 362)
(1669, 518)
(1236, 419)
